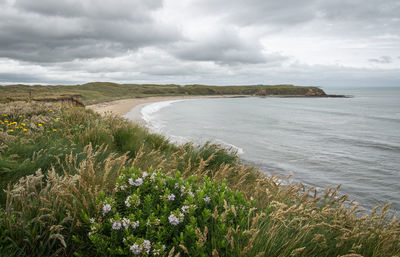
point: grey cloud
(223, 46)
(37, 34)
(261, 11)
(106, 9)
(383, 59)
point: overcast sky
(304, 42)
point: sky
(326, 43)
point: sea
(322, 142)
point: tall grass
(52, 178)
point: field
(79, 184)
(103, 91)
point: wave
(235, 148)
(148, 111)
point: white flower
(185, 209)
(183, 189)
(145, 174)
(176, 185)
(106, 208)
(171, 197)
(91, 220)
(130, 181)
(138, 182)
(136, 249)
(153, 176)
(127, 203)
(135, 224)
(207, 199)
(126, 223)
(146, 245)
(123, 187)
(191, 194)
(175, 220)
(116, 225)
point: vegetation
(103, 91)
(70, 174)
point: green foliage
(153, 213)
(81, 162)
(95, 92)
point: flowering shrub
(153, 214)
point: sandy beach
(134, 105)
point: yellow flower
(20, 116)
(48, 131)
(6, 121)
(16, 127)
(57, 118)
(4, 115)
(39, 124)
(23, 124)
(50, 110)
(54, 129)
(25, 129)
(11, 130)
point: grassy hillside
(103, 91)
(71, 191)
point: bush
(156, 214)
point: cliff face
(72, 101)
(315, 92)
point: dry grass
(44, 209)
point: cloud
(316, 42)
(56, 31)
(383, 59)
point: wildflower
(106, 208)
(153, 176)
(40, 124)
(23, 124)
(54, 129)
(185, 209)
(57, 118)
(127, 203)
(48, 131)
(174, 220)
(135, 224)
(183, 189)
(126, 223)
(50, 110)
(91, 220)
(6, 121)
(11, 130)
(136, 249)
(171, 197)
(145, 174)
(207, 199)
(116, 225)
(20, 116)
(138, 182)
(191, 194)
(147, 246)
(25, 129)
(176, 185)
(123, 187)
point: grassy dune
(59, 167)
(103, 91)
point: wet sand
(134, 105)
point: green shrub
(154, 214)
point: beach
(123, 106)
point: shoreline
(133, 106)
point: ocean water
(322, 142)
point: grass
(53, 173)
(104, 91)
